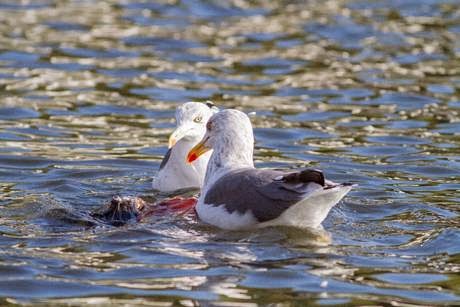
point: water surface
(366, 90)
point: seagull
(238, 196)
(174, 173)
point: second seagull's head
(191, 119)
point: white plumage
(174, 174)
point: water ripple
(366, 90)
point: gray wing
(266, 193)
(165, 159)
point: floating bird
(236, 195)
(174, 174)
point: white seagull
(174, 173)
(236, 195)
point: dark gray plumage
(266, 193)
(165, 158)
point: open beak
(178, 134)
(197, 151)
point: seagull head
(228, 133)
(191, 119)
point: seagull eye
(209, 125)
(198, 119)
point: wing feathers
(305, 176)
(266, 193)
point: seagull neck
(224, 160)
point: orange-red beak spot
(192, 157)
(197, 151)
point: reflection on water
(366, 90)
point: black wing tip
(305, 176)
(165, 159)
(314, 175)
(210, 104)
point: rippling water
(366, 90)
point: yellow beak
(178, 134)
(197, 151)
(172, 141)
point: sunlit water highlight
(366, 90)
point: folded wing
(265, 193)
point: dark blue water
(368, 91)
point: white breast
(177, 174)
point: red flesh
(176, 205)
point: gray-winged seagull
(174, 174)
(236, 195)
